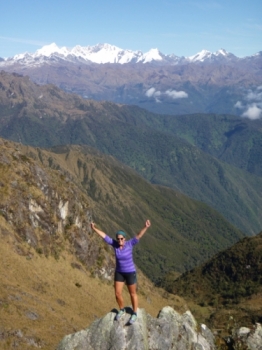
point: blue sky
(179, 27)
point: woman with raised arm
(125, 271)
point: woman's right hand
(148, 223)
(99, 232)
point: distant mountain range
(106, 53)
(207, 82)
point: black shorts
(129, 277)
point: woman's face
(121, 240)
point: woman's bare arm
(100, 233)
(143, 230)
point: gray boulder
(246, 338)
(254, 339)
(169, 330)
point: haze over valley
(206, 82)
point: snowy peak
(151, 55)
(49, 50)
(222, 52)
(42, 55)
(100, 53)
(207, 56)
(106, 53)
(200, 56)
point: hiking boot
(133, 318)
(120, 313)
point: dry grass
(42, 299)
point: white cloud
(176, 94)
(254, 96)
(251, 104)
(170, 93)
(239, 105)
(253, 112)
(150, 92)
(158, 93)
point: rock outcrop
(169, 330)
(251, 338)
(43, 206)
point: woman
(125, 271)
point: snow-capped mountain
(207, 56)
(169, 84)
(106, 53)
(100, 53)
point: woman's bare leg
(133, 295)
(118, 293)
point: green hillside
(142, 140)
(235, 140)
(230, 283)
(184, 232)
(50, 259)
(165, 160)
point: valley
(171, 140)
(156, 146)
(208, 82)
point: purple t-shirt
(124, 256)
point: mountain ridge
(45, 116)
(167, 84)
(50, 257)
(231, 283)
(106, 53)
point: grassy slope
(231, 284)
(144, 141)
(45, 296)
(162, 159)
(184, 232)
(42, 298)
(47, 289)
(45, 299)
(169, 161)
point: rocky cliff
(43, 207)
(170, 330)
